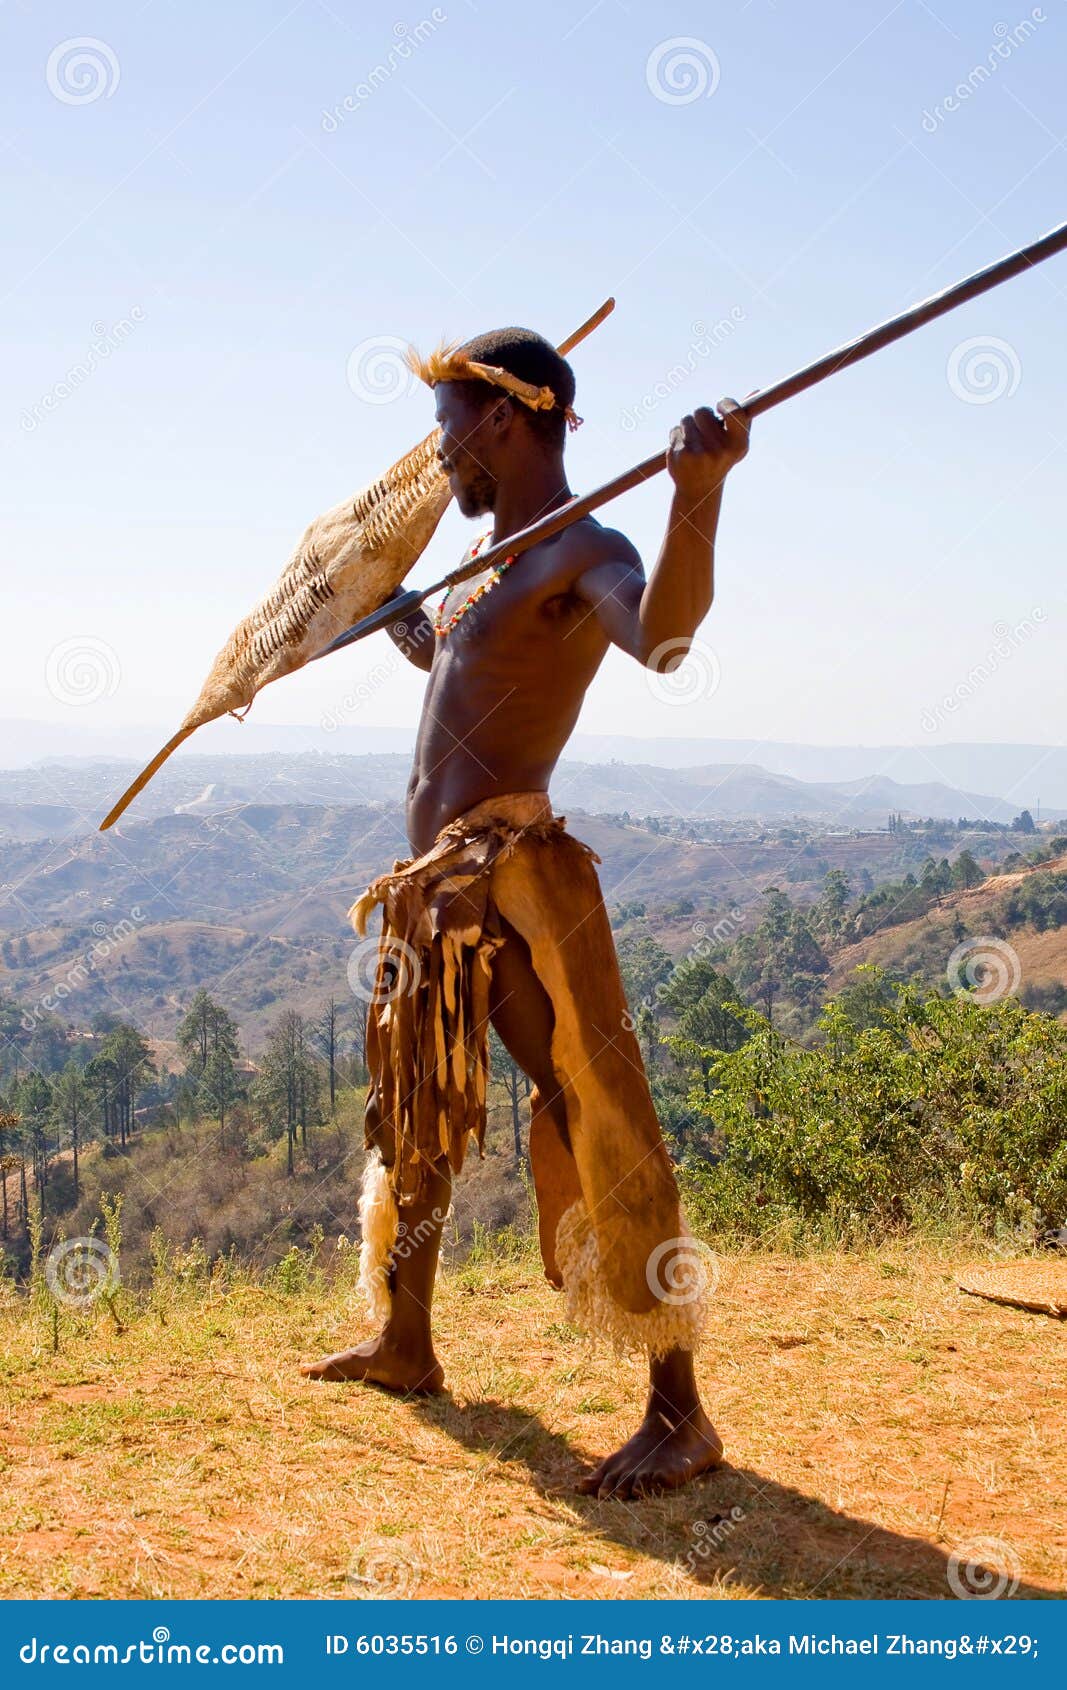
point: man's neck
(542, 488)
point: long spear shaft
(883, 334)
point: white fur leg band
(379, 1223)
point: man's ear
(501, 417)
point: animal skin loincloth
(610, 1224)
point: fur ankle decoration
(379, 1223)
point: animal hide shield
(348, 562)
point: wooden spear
(762, 400)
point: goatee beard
(479, 498)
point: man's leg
(675, 1441)
(402, 1357)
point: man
(499, 916)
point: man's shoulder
(589, 545)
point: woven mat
(1035, 1283)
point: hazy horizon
(1027, 775)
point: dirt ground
(886, 1434)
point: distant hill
(58, 800)
(924, 946)
(1024, 776)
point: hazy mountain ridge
(1022, 775)
(56, 801)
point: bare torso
(506, 684)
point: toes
(596, 1483)
(617, 1483)
(589, 1484)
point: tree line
(60, 1091)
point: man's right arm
(413, 636)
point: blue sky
(204, 234)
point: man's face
(466, 449)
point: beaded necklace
(443, 627)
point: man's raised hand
(705, 446)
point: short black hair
(534, 359)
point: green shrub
(944, 1108)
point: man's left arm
(655, 620)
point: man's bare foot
(660, 1456)
(379, 1363)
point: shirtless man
(506, 684)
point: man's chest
(505, 607)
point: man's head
(488, 434)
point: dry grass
(877, 1420)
